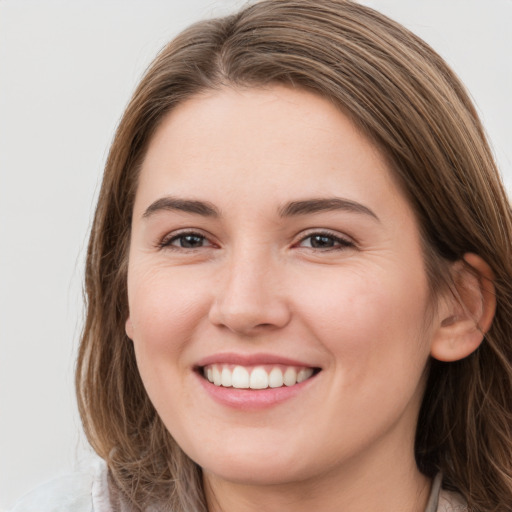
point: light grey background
(67, 69)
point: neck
(399, 487)
(395, 485)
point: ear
(128, 327)
(466, 311)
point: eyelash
(167, 242)
(338, 243)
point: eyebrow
(170, 203)
(291, 209)
(305, 207)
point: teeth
(226, 378)
(240, 378)
(303, 375)
(275, 378)
(256, 377)
(259, 379)
(217, 378)
(290, 377)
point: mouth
(256, 377)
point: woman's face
(273, 253)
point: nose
(251, 299)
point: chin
(261, 465)
(261, 473)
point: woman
(298, 277)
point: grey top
(441, 500)
(88, 491)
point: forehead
(262, 144)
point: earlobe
(128, 327)
(467, 310)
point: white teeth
(217, 379)
(275, 379)
(304, 374)
(225, 377)
(240, 378)
(290, 377)
(257, 377)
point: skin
(254, 283)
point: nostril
(263, 326)
(251, 320)
(249, 301)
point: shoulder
(442, 500)
(451, 502)
(82, 491)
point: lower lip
(253, 399)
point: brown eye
(191, 241)
(185, 241)
(324, 241)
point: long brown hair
(407, 100)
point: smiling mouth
(256, 377)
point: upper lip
(251, 360)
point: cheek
(370, 320)
(165, 309)
(372, 326)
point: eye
(187, 240)
(324, 241)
